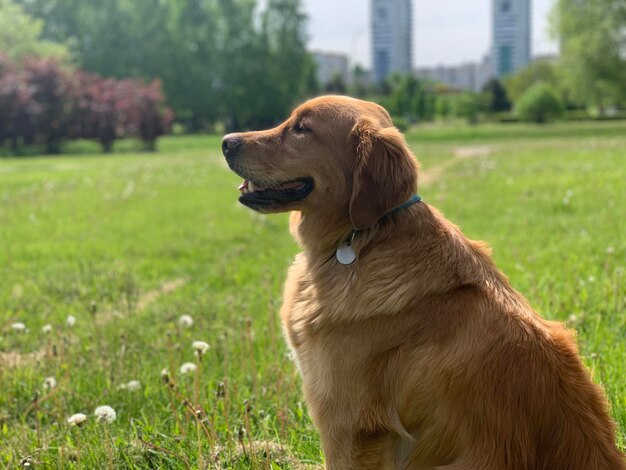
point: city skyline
(451, 32)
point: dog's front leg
(346, 450)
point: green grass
(96, 237)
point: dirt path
(434, 173)
(13, 359)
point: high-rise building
(392, 37)
(510, 36)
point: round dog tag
(345, 254)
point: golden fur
(419, 355)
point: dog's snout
(230, 144)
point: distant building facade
(331, 65)
(470, 76)
(511, 33)
(392, 37)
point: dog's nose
(230, 144)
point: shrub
(17, 107)
(41, 102)
(51, 89)
(540, 103)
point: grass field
(128, 243)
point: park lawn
(127, 243)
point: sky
(445, 32)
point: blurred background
(72, 69)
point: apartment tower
(392, 37)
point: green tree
(20, 36)
(538, 71)
(494, 97)
(219, 60)
(360, 87)
(593, 49)
(539, 104)
(465, 105)
(336, 85)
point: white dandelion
(185, 321)
(105, 414)
(131, 386)
(187, 368)
(200, 347)
(70, 321)
(77, 419)
(18, 326)
(49, 383)
(46, 329)
(610, 250)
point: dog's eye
(299, 128)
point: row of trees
(218, 60)
(43, 102)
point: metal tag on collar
(345, 254)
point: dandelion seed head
(200, 347)
(185, 321)
(187, 368)
(70, 321)
(133, 385)
(610, 250)
(49, 383)
(77, 419)
(105, 414)
(18, 326)
(46, 329)
(572, 318)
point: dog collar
(346, 255)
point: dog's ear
(385, 173)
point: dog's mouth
(268, 198)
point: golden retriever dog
(414, 349)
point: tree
(360, 87)
(495, 99)
(20, 35)
(539, 104)
(593, 49)
(336, 85)
(218, 60)
(538, 71)
(465, 105)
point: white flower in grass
(610, 250)
(187, 368)
(49, 383)
(200, 347)
(77, 419)
(70, 321)
(105, 414)
(185, 321)
(131, 386)
(18, 326)
(46, 329)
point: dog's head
(334, 155)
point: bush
(40, 102)
(540, 103)
(17, 107)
